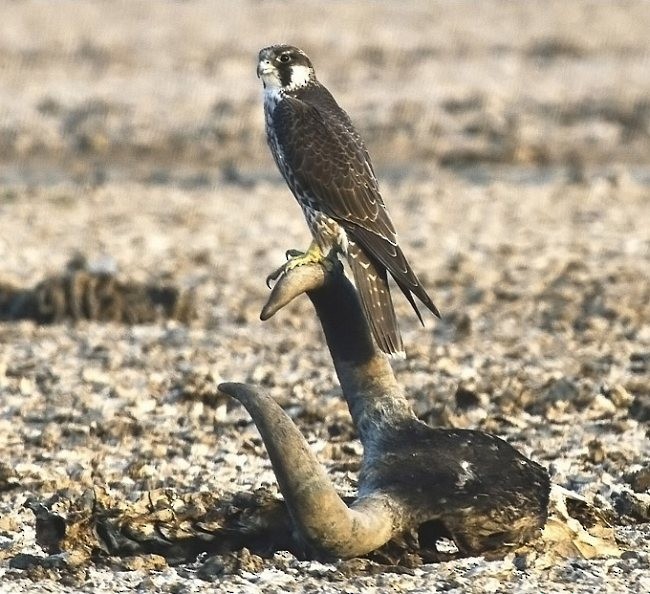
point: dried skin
(85, 295)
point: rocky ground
(512, 144)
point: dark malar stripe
(284, 72)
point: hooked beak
(263, 67)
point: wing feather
(392, 257)
(330, 162)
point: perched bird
(327, 167)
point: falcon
(327, 167)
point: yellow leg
(295, 258)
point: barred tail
(371, 280)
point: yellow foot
(296, 258)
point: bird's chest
(271, 100)
(325, 230)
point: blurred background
(166, 91)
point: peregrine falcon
(327, 167)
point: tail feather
(371, 280)
(391, 256)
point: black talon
(275, 275)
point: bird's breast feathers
(272, 96)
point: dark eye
(285, 58)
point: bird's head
(284, 67)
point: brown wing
(330, 163)
(392, 257)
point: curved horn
(320, 515)
(367, 380)
(293, 283)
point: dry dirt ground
(512, 143)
